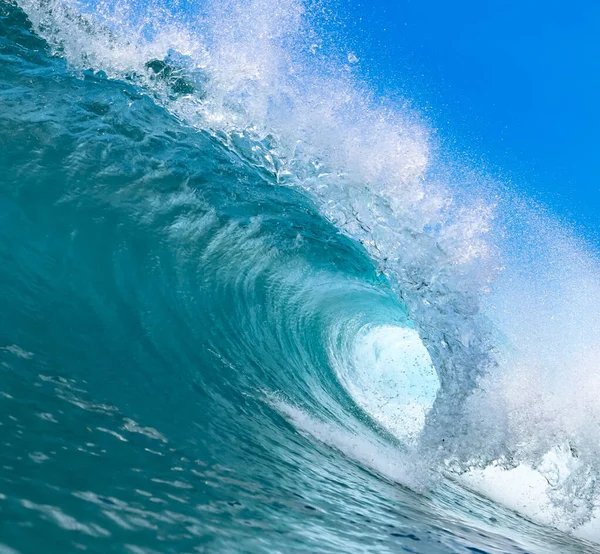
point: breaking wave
(211, 224)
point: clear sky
(515, 82)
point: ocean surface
(246, 306)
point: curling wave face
(240, 304)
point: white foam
(527, 491)
(359, 444)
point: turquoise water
(179, 369)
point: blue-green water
(177, 369)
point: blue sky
(515, 83)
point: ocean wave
(215, 198)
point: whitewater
(248, 305)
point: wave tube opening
(389, 373)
